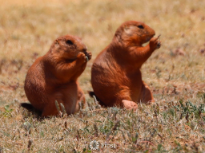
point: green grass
(175, 74)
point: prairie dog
(54, 76)
(115, 76)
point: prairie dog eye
(140, 26)
(68, 42)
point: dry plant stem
(57, 106)
(63, 108)
(158, 36)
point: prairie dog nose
(84, 50)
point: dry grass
(175, 73)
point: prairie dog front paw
(155, 43)
(81, 58)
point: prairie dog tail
(27, 106)
(30, 108)
(92, 94)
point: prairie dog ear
(129, 30)
(56, 45)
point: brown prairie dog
(116, 77)
(54, 76)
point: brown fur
(116, 77)
(54, 77)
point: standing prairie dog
(53, 77)
(115, 76)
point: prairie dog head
(68, 47)
(134, 33)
